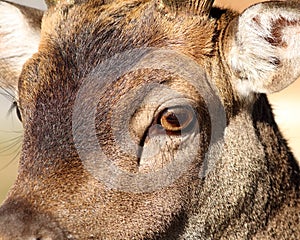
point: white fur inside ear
(18, 41)
(291, 35)
(266, 37)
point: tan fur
(239, 182)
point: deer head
(149, 120)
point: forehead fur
(75, 39)
(99, 31)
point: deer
(149, 119)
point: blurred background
(10, 142)
(285, 105)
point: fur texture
(99, 61)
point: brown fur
(253, 189)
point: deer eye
(16, 107)
(177, 119)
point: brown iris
(177, 119)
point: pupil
(172, 119)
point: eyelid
(178, 102)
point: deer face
(128, 108)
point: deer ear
(19, 39)
(264, 47)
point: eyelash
(14, 107)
